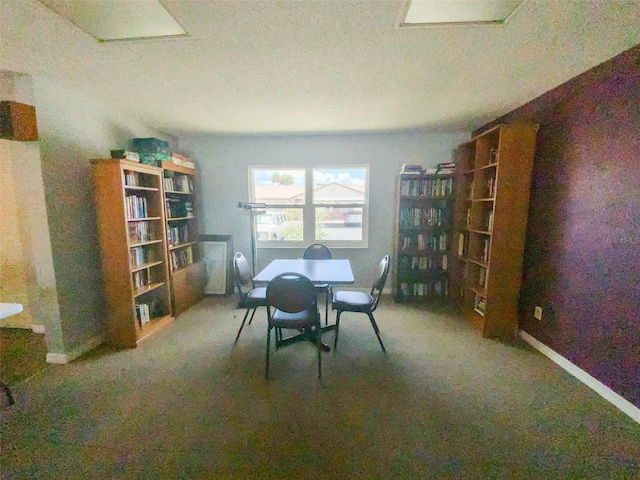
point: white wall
(74, 129)
(223, 162)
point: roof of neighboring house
(292, 191)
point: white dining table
(334, 271)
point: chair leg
(335, 341)
(326, 307)
(319, 345)
(376, 329)
(252, 314)
(242, 325)
(266, 370)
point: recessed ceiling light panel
(109, 20)
(448, 12)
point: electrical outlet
(537, 312)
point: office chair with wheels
(349, 301)
(250, 297)
(292, 303)
(318, 251)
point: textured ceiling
(321, 66)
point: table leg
(309, 336)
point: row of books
(177, 235)
(411, 168)
(437, 187)
(136, 206)
(141, 232)
(446, 168)
(484, 256)
(463, 244)
(141, 255)
(480, 273)
(487, 220)
(480, 304)
(125, 155)
(136, 179)
(178, 183)
(143, 312)
(463, 247)
(178, 208)
(437, 241)
(181, 258)
(422, 262)
(483, 273)
(438, 288)
(491, 187)
(432, 216)
(141, 278)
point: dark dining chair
(292, 303)
(251, 297)
(350, 301)
(318, 251)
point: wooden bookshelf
(131, 228)
(493, 177)
(422, 236)
(186, 267)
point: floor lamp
(253, 209)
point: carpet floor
(22, 354)
(442, 403)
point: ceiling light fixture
(113, 20)
(458, 12)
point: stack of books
(125, 155)
(182, 160)
(151, 150)
(407, 168)
(446, 168)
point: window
(307, 205)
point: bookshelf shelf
(145, 266)
(177, 192)
(485, 167)
(182, 245)
(135, 266)
(186, 270)
(147, 288)
(143, 219)
(424, 204)
(135, 187)
(142, 244)
(489, 222)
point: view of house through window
(327, 205)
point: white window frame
(309, 208)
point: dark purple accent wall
(582, 254)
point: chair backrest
(292, 293)
(317, 251)
(378, 286)
(242, 273)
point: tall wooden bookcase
(185, 257)
(422, 239)
(131, 227)
(493, 178)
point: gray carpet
(442, 403)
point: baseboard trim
(601, 389)
(62, 358)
